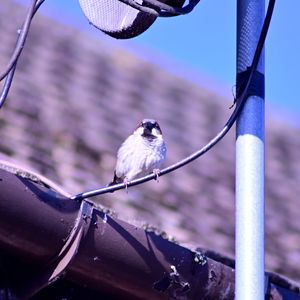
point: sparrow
(141, 153)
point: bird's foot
(156, 173)
(125, 181)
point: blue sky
(202, 45)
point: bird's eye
(157, 127)
(140, 125)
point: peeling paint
(105, 218)
(200, 258)
(174, 284)
(212, 275)
(174, 271)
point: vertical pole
(250, 168)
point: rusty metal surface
(115, 257)
(146, 265)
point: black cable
(10, 69)
(37, 6)
(7, 85)
(170, 11)
(21, 40)
(180, 11)
(154, 7)
(240, 101)
(160, 9)
(149, 10)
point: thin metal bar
(7, 85)
(250, 167)
(239, 105)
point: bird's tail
(115, 180)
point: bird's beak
(147, 131)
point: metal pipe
(250, 167)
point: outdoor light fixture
(123, 19)
(120, 19)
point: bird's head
(149, 128)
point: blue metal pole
(250, 167)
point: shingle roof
(74, 100)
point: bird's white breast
(139, 156)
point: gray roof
(76, 98)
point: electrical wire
(21, 40)
(160, 9)
(7, 84)
(154, 7)
(165, 10)
(240, 101)
(9, 71)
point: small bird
(141, 153)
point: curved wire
(180, 11)
(160, 9)
(170, 11)
(154, 7)
(140, 7)
(239, 105)
(7, 84)
(8, 73)
(21, 40)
